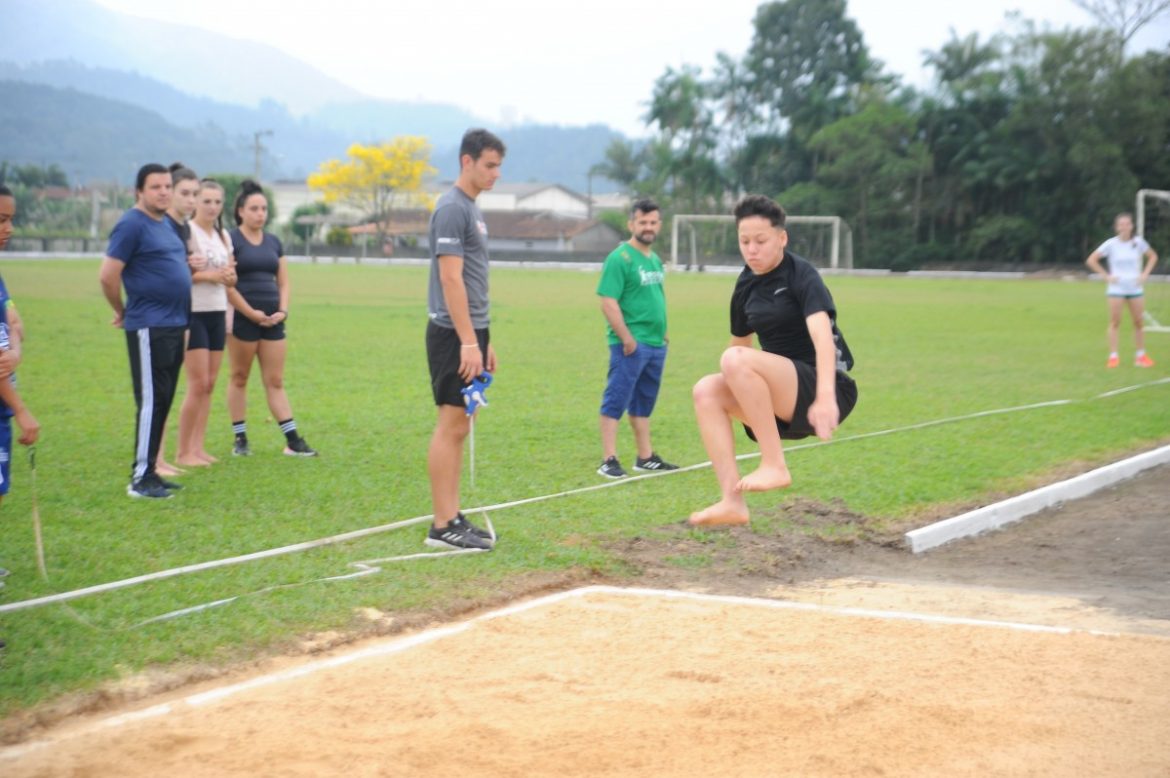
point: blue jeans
(633, 381)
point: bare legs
(445, 462)
(271, 355)
(202, 370)
(609, 432)
(1137, 307)
(753, 387)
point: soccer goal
(701, 239)
(1152, 221)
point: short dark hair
(477, 140)
(759, 205)
(645, 205)
(147, 170)
(5, 191)
(248, 187)
(180, 172)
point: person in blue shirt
(148, 258)
(11, 335)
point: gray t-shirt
(458, 230)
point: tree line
(1022, 151)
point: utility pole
(257, 147)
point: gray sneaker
(456, 535)
(652, 464)
(611, 468)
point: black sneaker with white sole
(653, 464)
(462, 521)
(611, 468)
(241, 448)
(149, 487)
(299, 448)
(169, 485)
(456, 535)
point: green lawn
(926, 350)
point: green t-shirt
(635, 281)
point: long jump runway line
(399, 645)
(366, 532)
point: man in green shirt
(635, 310)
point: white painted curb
(1013, 509)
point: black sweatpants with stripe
(156, 356)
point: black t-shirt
(775, 305)
(182, 230)
(256, 266)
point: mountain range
(98, 92)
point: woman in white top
(1124, 253)
(208, 327)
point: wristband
(470, 345)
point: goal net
(1152, 221)
(698, 240)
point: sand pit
(627, 683)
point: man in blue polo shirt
(148, 258)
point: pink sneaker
(1143, 361)
(1113, 362)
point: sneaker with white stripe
(652, 464)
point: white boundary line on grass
(356, 534)
(399, 645)
(361, 533)
(1013, 509)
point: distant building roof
(506, 225)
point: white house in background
(547, 198)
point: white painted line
(355, 534)
(1015, 508)
(399, 645)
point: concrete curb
(1015, 508)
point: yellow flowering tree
(377, 178)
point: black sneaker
(611, 468)
(240, 449)
(462, 521)
(3, 572)
(150, 487)
(299, 448)
(169, 485)
(456, 535)
(652, 464)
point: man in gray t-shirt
(458, 230)
(458, 343)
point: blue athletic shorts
(5, 454)
(633, 381)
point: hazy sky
(566, 63)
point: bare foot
(722, 514)
(166, 468)
(208, 458)
(764, 478)
(192, 462)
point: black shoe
(3, 572)
(652, 464)
(240, 449)
(456, 536)
(299, 448)
(150, 487)
(462, 521)
(169, 485)
(611, 468)
(2, 643)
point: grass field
(926, 350)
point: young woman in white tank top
(209, 311)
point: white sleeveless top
(208, 295)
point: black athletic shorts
(247, 330)
(208, 329)
(806, 392)
(443, 354)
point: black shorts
(245, 329)
(443, 354)
(208, 329)
(806, 392)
